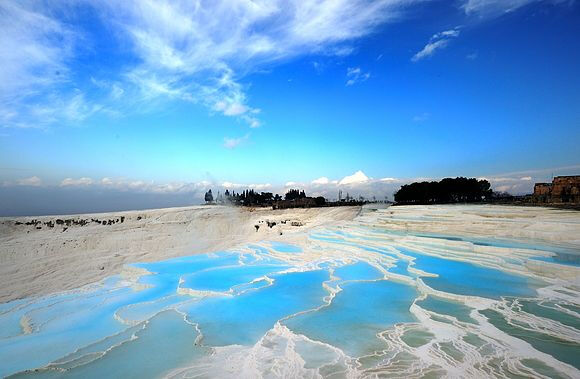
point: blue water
(401, 268)
(447, 307)
(244, 319)
(180, 266)
(464, 278)
(223, 279)
(119, 329)
(165, 343)
(357, 314)
(358, 271)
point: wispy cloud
(318, 67)
(543, 172)
(472, 56)
(70, 182)
(240, 186)
(178, 50)
(34, 181)
(35, 50)
(492, 8)
(321, 181)
(356, 75)
(357, 184)
(141, 186)
(196, 52)
(437, 42)
(232, 143)
(522, 182)
(421, 117)
(185, 51)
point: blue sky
(176, 96)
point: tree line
(261, 199)
(448, 190)
(246, 197)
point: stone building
(543, 192)
(563, 189)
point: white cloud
(106, 181)
(522, 182)
(421, 117)
(260, 187)
(35, 50)
(231, 143)
(318, 67)
(254, 123)
(34, 181)
(122, 184)
(192, 51)
(37, 80)
(355, 185)
(239, 186)
(189, 51)
(232, 109)
(116, 91)
(437, 42)
(356, 178)
(229, 185)
(491, 8)
(447, 34)
(504, 188)
(321, 180)
(472, 56)
(76, 182)
(499, 179)
(199, 52)
(429, 49)
(356, 75)
(78, 109)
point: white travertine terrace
(500, 279)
